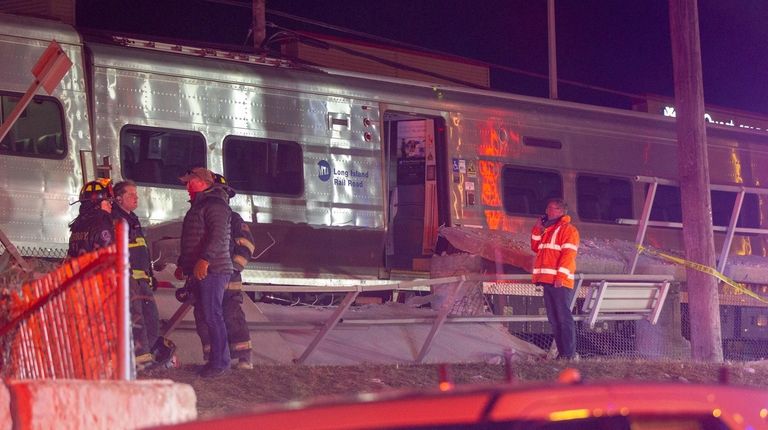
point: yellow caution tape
(702, 268)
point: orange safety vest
(555, 247)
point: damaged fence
(72, 323)
(484, 298)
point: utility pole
(693, 165)
(258, 24)
(552, 49)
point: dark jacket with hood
(138, 251)
(91, 230)
(205, 233)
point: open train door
(416, 185)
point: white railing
(644, 222)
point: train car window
(666, 204)
(526, 191)
(159, 156)
(264, 166)
(666, 207)
(603, 198)
(722, 208)
(39, 132)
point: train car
(342, 175)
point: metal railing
(644, 222)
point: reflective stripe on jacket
(555, 247)
(242, 242)
(242, 249)
(138, 251)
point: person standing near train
(238, 334)
(205, 258)
(143, 308)
(93, 228)
(556, 241)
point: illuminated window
(39, 132)
(526, 191)
(264, 166)
(159, 156)
(603, 198)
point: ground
(242, 390)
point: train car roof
(272, 72)
(39, 29)
(239, 68)
(207, 64)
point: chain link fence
(744, 328)
(39, 261)
(58, 253)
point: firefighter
(238, 335)
(93, 228)
(149, 349)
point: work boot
(244, 364)
(212, 372)
(144, 362)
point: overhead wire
(307, 39)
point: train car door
(415, 162)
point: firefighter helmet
(220, 179)
(96, 191)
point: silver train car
(342, 175)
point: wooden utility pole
(258, 24)
(552, 50)
(703, 301)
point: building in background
(61, 10)
(457, 68)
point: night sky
(616, 44)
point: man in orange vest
(555, 241)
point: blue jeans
(558, 304)
(211, 298)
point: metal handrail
(644, 222)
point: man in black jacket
(205, 258)
(92, 229)
(237, 328)
(144, 314)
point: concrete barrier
(5, 409)
(79, 404)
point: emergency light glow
(570, 414)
